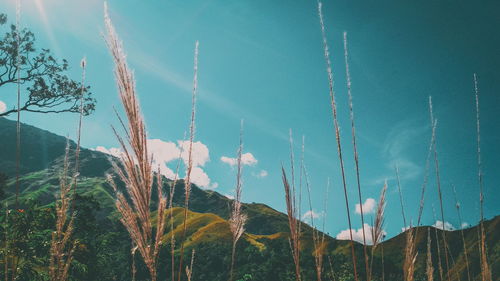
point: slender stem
(460, 221)
(190, 157)
(438, 184)
(356, 155)
(337, 134)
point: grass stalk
(378, 224)
(440, 265)
(18, 82)
(293, 223)
(440, 195)
(135, 169)
(187, 181)
(238, 219)
(410, 256)
(83, 65)
(356, 155)
(61, 249)
(460, 221)
(400, 196)
(189, 269)
(337, 133)
(429, 270)
(485, 270)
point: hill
(263, 254)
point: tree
(44, 79)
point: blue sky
(262, 61)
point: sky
(262, 61)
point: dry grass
(187, 181)
(356, 155)
(135, 169)
(237, 219)
(83, 65)
(61, 248)
(337, 132)
(485, 269)
(460, 221)
(410, 256)
(189, 269)
(429, 270)
(378, 224)
(293, 223)
(440, 195)
(18, 123)
(440, 265)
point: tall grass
(292, 208)
(61, 247)
(187, 181)
(18, 79)
(83, 65)
(377, 231)
(189, 269)
(440, 195)
(237, 219)
(460, 221)
(356, 155)
(410, 256)
(485, 269)
(135, 169)
(440, 264)
(429, 269)
(333, 106)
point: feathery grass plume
(318, 239)
(187, 181)
(189, 269)
(440, 266)
(426, 175)
(400, 196)
(356, 155)
(485, 270)
(61, 249)
(460, 221)
(440, 195)
(135, 169)
(83, 65)
(429, 270)
(377, 231)
(18, 121)
(293, 223)
(237, 219)
(410, 256)
(333, 106)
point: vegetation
(123, 206)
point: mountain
(263, 253)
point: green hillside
(103, 251)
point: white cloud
(3, 106)
(357, 235)
(307, 216)
(246, 159)
(447, 225)
(164, 152)
(112, 151)
(261, 174)
(368, 206)
(229, 196)
(465, 225)
(199, 154)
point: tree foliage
(46, 86)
